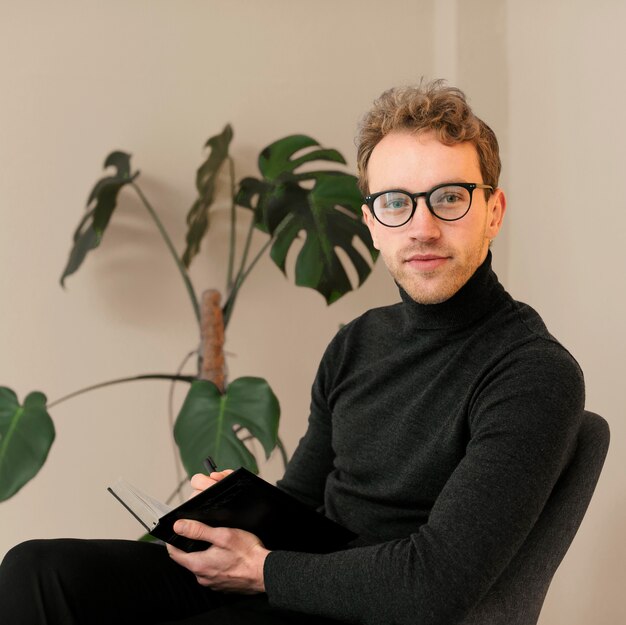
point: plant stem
(181, 484)
(246, 251)
(245, 272)
(233, 226)
(230, 304)
(172, 249)
(170, 418)
(232, 295)
(232, 298)
(135, 378)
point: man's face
(431, 259)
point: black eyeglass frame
(468, 186)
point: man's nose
(424, 226)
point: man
(438, 425)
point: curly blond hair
(433, 106)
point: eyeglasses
(448, 202)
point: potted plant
(291, 199)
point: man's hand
(233, 563)
(200, 481)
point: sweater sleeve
(308, 469)
(306, 473)
(522, 423)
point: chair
(517, 596)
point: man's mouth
(426, 262)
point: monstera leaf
(278, 159)
(207, 421)
(103, 200)
(26, 434)
(206, 177)
(324, 205)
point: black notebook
(244, 501)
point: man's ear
(370, 222)
(497, 204)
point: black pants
(118, 582)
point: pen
(209, 464)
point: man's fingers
(200, 481)
(225, 537)
(233, 562)
(193, 529)
(218, 536)
(220, 475)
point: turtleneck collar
(480, 294)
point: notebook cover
(246, 501)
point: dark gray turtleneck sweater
(436, 433)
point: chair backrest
(518, 595)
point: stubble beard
(439, 285)
(432, 287)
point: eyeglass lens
(450, 202)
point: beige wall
(566, 249)
(156, 78)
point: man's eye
(394, 202)
(451, 197)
